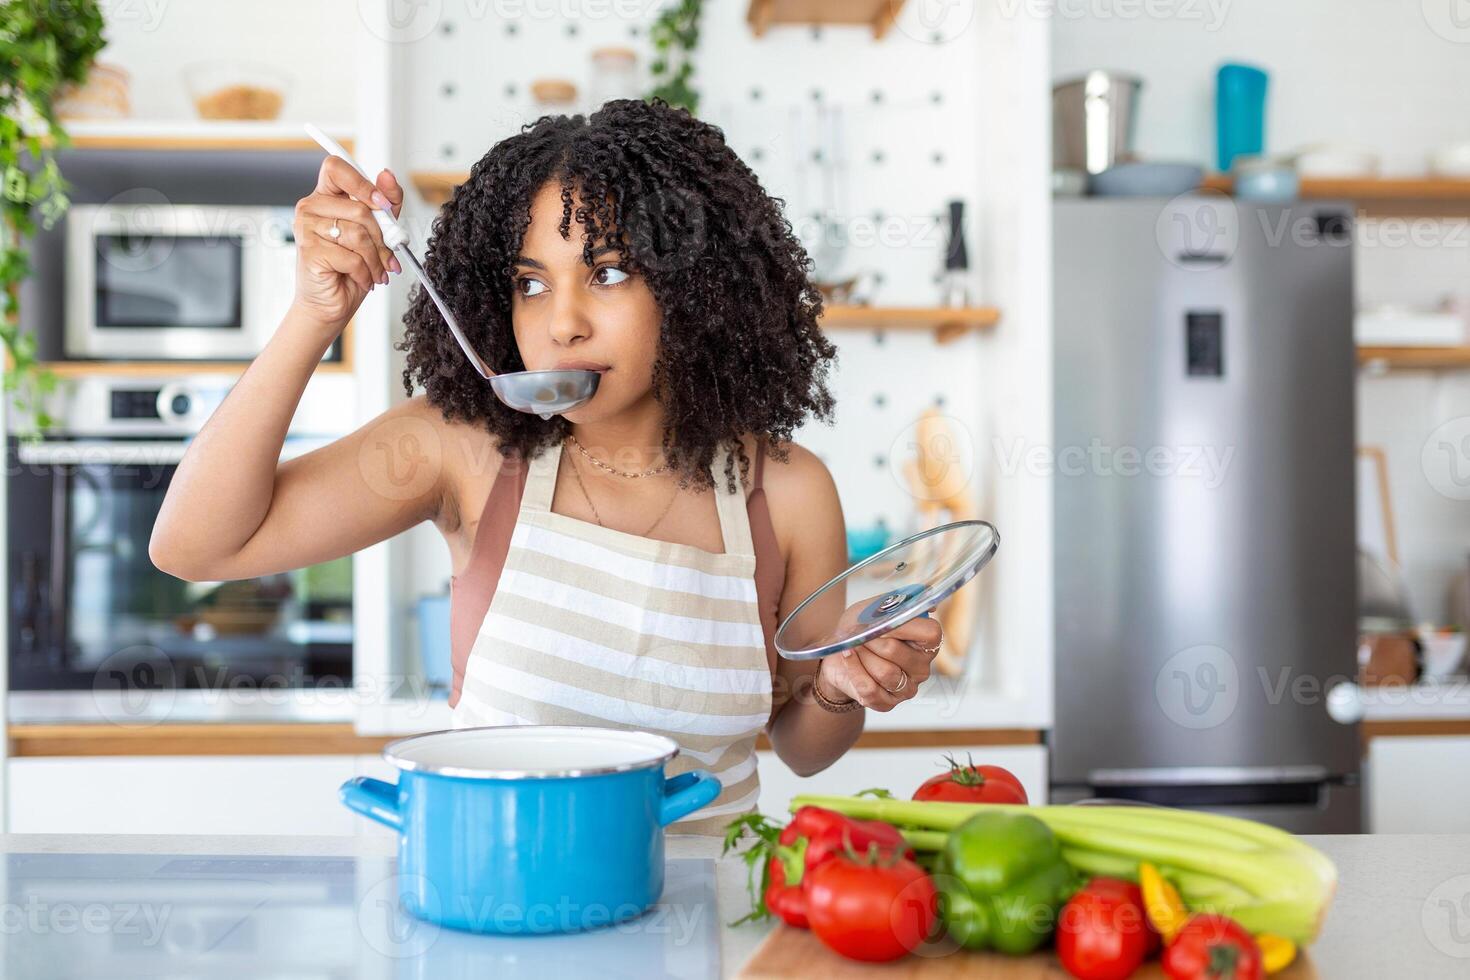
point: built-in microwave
(164, 282)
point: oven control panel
(134, 403)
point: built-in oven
(88, 609)
(152, 280)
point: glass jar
(614, 75)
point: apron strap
(734, 518)
(541, 479)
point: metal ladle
(543, 393)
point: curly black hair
(739, 347)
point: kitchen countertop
(1402, 907)
(944, 703)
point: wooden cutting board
(789, 952)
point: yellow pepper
(1277, 952)
(1161, 902)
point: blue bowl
(530, 828)
(1147, 180)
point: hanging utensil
(543, 393)
(902, 582)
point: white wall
(1374, 73)
(307, 40)
(1389, 76)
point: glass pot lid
(903, 581)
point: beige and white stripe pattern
(592, 626)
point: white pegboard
(909, 143)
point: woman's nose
(569, 323)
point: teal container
(1240, 113)
(433, 617)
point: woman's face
(567, 314)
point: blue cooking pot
(530, 828)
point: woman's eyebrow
(527, 260)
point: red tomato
(972, 784)
(1213, 946)
(1103, 933)
(875, 912)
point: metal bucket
(1092, 121)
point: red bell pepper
(785, 896)
(812, 838)
(829, 833)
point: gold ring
(903, 681)
(336, 232)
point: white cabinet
(181, 795)
(1417, 785)
(898, 770)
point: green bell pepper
(1001, 881)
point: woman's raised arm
(233, 509)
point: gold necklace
(611, 469)
(577, 473)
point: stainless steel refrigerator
(1203, 459)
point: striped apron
(594, 626)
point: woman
(621, 565)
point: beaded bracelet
(836, 707)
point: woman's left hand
(886, 670)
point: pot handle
(686, 793)
(373, 798)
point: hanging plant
(44, 44)
(675, 35)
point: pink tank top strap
(472, 590)
(770, 569)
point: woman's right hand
(334, 275)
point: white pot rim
(548, 751)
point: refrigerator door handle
(1207, 775)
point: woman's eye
(521, 285)
(611, 270)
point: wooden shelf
(202, 134)
(945, 323)
(83, 369)
(879, 14)
(1415, 358)
(436, 186)
(312, 738)
(1379, 195)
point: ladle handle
(397, 239)
(393, 233)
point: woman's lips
(581, 366)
